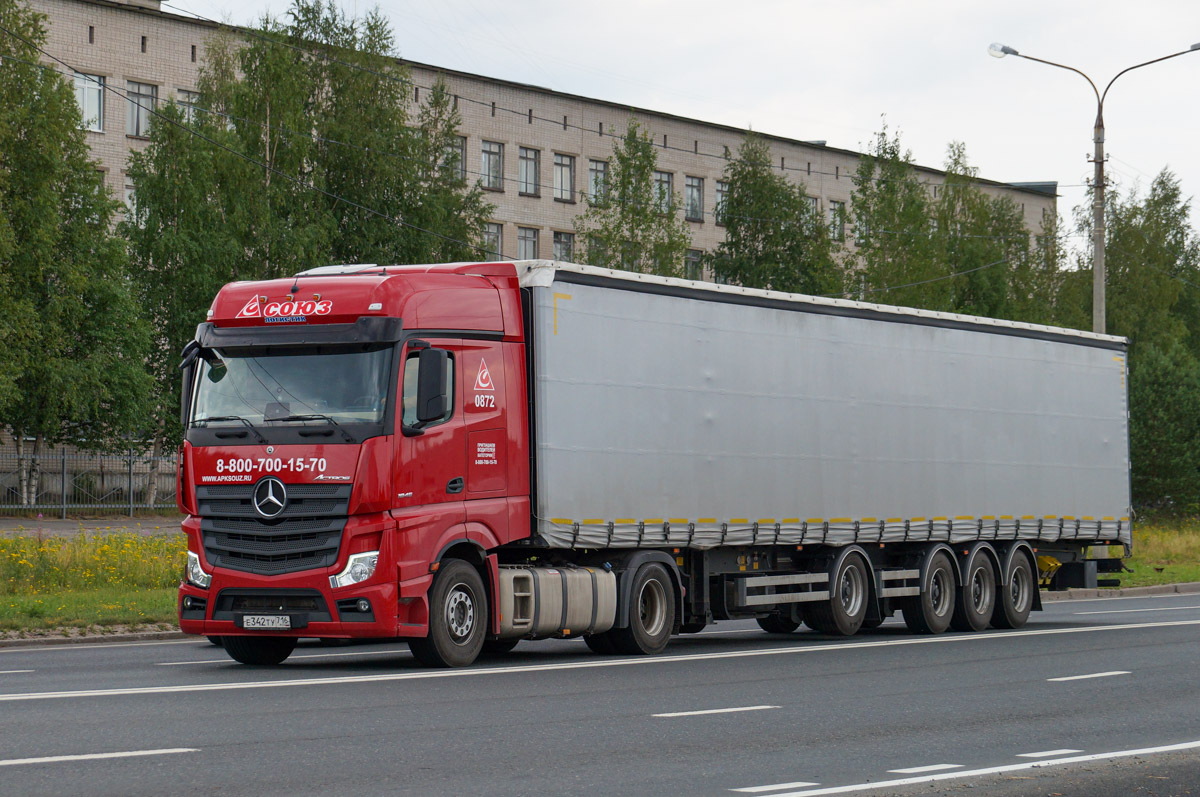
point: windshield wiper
(316, 416)
(237, 418)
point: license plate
(271, 621)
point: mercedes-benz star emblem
(270, 497)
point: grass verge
(1163, 553)
(103, 608)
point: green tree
(81, 378)
(898, 257)
(632, 225)
(774, 238)
(1164, 428)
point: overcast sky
(834, 71)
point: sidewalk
(143, 524)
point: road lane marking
(930, 768)
(1155, 609)
(53, 759)
(227, 660)
(714, 711)
(1090, 675)
(84, 646)
(800, 784)
(420, 675)
(13, 672)
(1048, 753)
(969, 773)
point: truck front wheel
(651, 613)
(457, 618)
(259, 649)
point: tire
(498, 647)
(259, 650)
(693, 628)
(931, 611)
(849, 590)
(871, 625)
(651, 613)
(458, 618)
(775, 624)
(977, 596)
(216, 640)
(600, 643)
(1014, 601)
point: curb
(91, 639)
(1188, 588)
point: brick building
(534, 150)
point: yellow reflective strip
(989, 517)
(841, 520)
(679, 520)
(625, 520)
(739, 520)
(960, 517)
(1050, 517)
(917, 520)
(562, 521)
(1088, 517)
(1006, 517)
(593, 522)
(653, 520)
(942, 518)
(706, 520)
(895, 520)
(770, 521)
(790, 520)
(1125, 519)
(1109, 518)
(815, 520)
(1028, 517)
(1069, 517)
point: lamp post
(1098, 320)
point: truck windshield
(279, 388)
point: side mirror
(187, 370)
(433, 389)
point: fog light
(360, 567)
(364, 605)
(187, 602)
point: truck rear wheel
(1015, 599)
(457, 618)
(259, 650)
(777, 624)
(844, 612)
(651, 613)
(977, 597)
(930, 612)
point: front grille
(305, 535)
(270, 601)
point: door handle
(455, 486)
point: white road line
(396, 652)
(1090, 675)
(649, 661)
(1048, 753)
(714, 711)
(85, 646)
(930, 768)
(800, 784)
(1155, 609)
(53, 759)
(13, 672)
(969, 773)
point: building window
(693, 198)
(662, 190)
(837, 220)
(527, 172)
(527, 243)
(89, 93)
(564, 246)
(130, 197)
(193, 53)
(722, 198)
(815, 205)
(493, 238)
(691, 265)
(597, 179)
(564, 177)
(143, 44)
(492, 166)
(456, 158)
(189, 103)
(143, 97)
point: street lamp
(999, 51)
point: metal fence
(71, 481)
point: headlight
(195, 574)
(360, 567)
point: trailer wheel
(777, 624)
(1014, 601)
(259, 650)
(457, 618)
(930, 612)
(693, 628)
(977, 596)
(600, 643)
(651, 613)
(498, 647)
(844, 612)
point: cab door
(431, 470)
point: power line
(885, 289)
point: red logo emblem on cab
(483, 380)
(289, 309)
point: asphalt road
(732, 711)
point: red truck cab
(345, 430)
